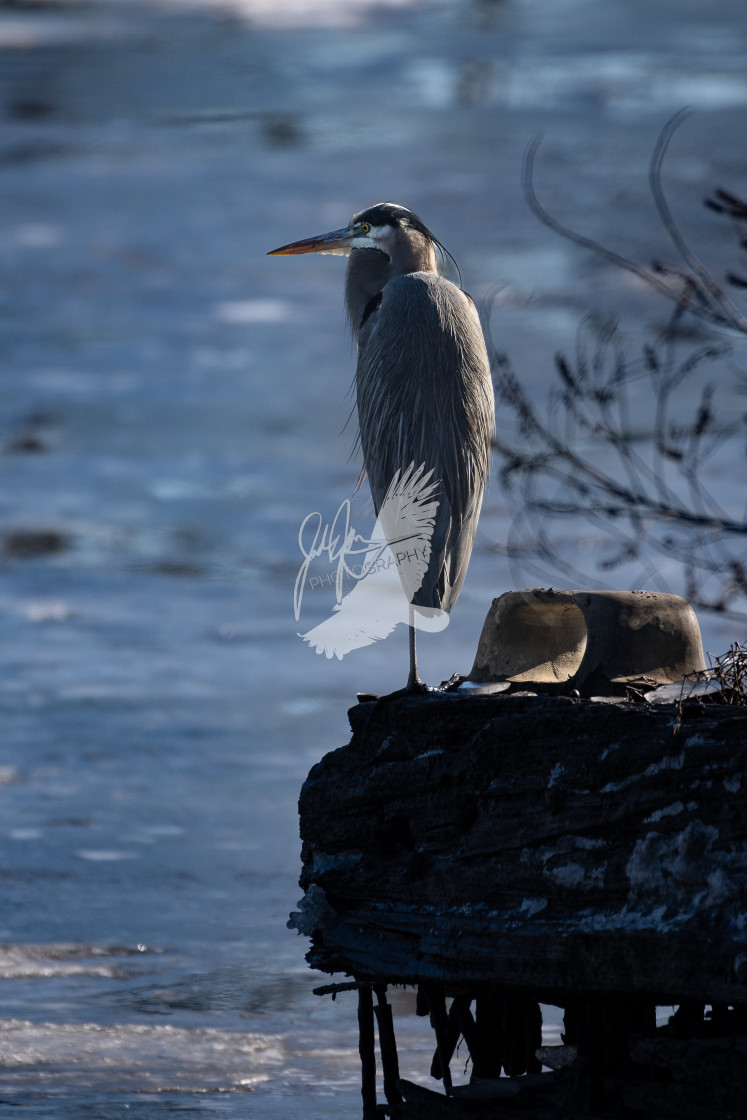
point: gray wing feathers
(425, 397)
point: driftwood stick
(367, 1051)
(461, 1009)
(334, 989)
(388, 1046)
(449, 1042)
(440, 1023)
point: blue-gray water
(173, 403)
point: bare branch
(694, 289)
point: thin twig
(696, 291)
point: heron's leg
(414, 683)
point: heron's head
(385, 228)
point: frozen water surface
(173, 403)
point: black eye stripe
(385, 214)
(388, 214)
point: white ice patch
(49, 611)
(302, 706)
(38, 235)
(104, 855)
(131, 1057)
(241, 311)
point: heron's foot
(416, 687)
(412, 688)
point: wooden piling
(387, 1046)
(444, 1045)
(497, 852)
(367, 1051)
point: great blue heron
(424, 390)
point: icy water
(173, 403)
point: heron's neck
(369, 270)
(415, 254)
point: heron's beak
(338, 241)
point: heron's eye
(365, 227)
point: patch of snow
(558, 769)
(668, 762)
(587, 843)
(668, 811)
(324, 861)
(532, 906)
(569, 875)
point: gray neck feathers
(369, 270)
